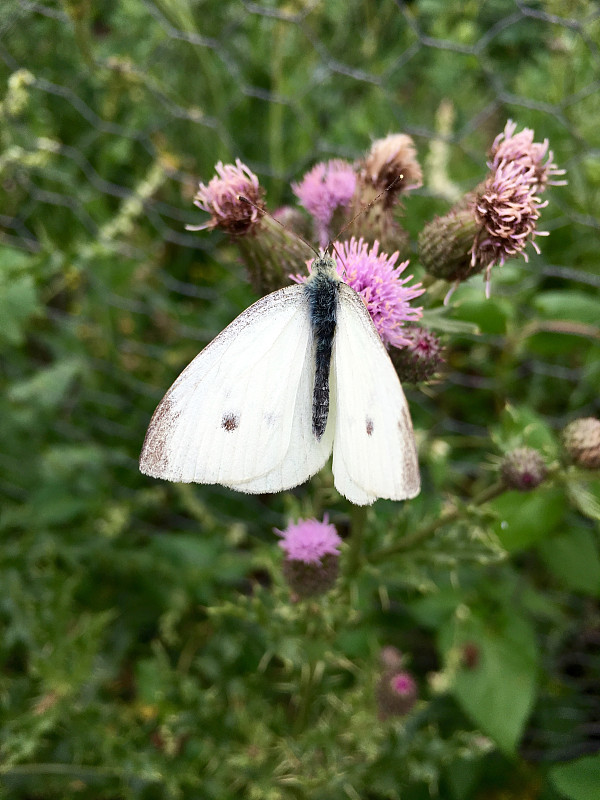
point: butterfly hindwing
(305, 454)
(374, 452)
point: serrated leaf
(437, 320)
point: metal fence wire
(111, 113)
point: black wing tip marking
(154, 458)
(410, 457)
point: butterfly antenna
(244, 199)
(363, 209)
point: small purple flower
(420, 359)
(376, 278)
(311, 562)
(221, 199)
(403, 684)
(534, 157)
(328, 186)
(309, 540)
(396, 693)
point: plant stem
(423, 533)
(354, 557)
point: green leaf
(436, 608)
(498, 690)
(437, 320)
(488, 315)
(47, 387)
(578, 780)
(18, 301)
(521, 427)
(583, 499)
(523, 519)
(568, 305)
(573, 558)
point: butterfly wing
(374, 453)
(305, 455)
(233, 415)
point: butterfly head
(325, 266)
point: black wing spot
(230, 421)
(369, 426)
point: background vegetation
(148, 644)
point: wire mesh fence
(112, 112)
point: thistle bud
(470, 655)
(523, 469)
(446, 242)
(221, 198)
(234, 199)
(270, 253)
(497, 220)
(311, 563)
(392, 160)
(390, 658)
(581, 439)
(420, 358)
(396, 694)
(389, 169)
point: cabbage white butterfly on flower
(299, 374)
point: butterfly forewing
(227, 418)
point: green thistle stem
(422, 534)
(355, 555)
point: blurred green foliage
(148, 646)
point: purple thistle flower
(403, 684)
(520, 148)
(507, 210)
(498, 219)
(328, 186)
(311, 563)
(221, 199)
(309, 540)
(376, 278)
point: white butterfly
(253, 413)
